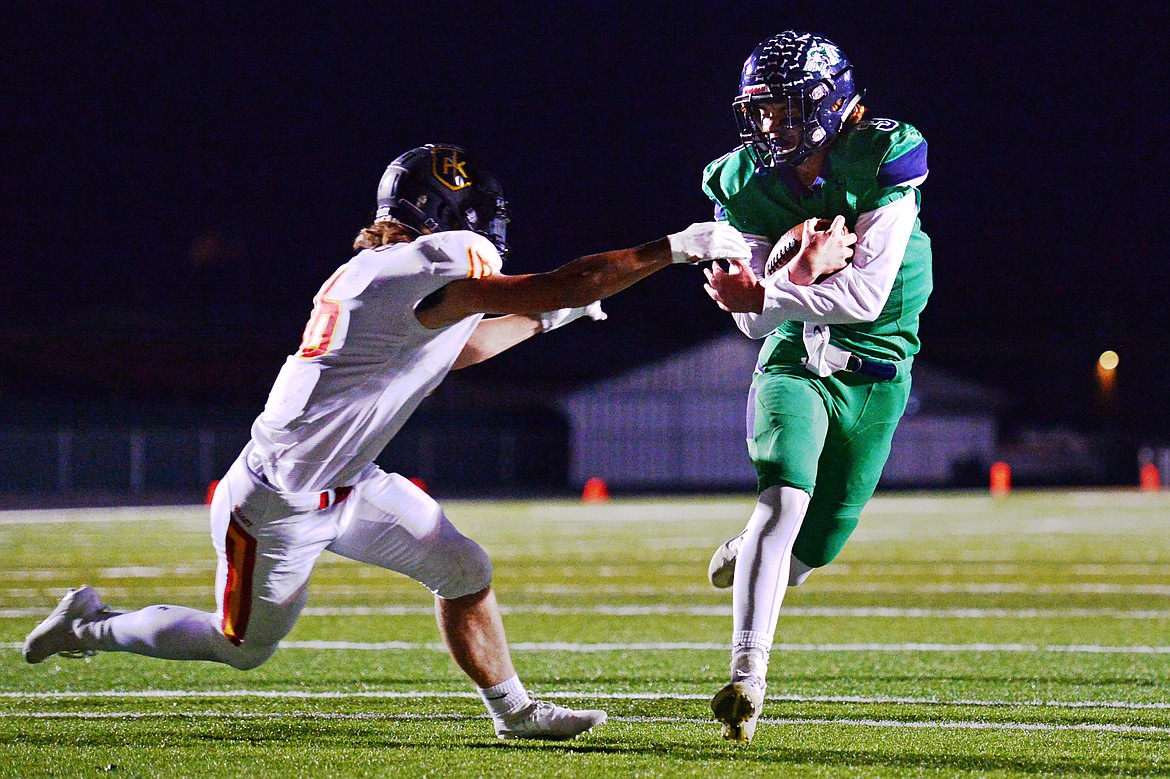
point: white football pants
(267, 542)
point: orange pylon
(422, 485)
(1001, 479)
(211, 492)
(1151, 479)
(595, 491)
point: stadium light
(1106, 370)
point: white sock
(763, 564)
(749, 662)
(507, 697)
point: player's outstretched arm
(582, 281)
(493, 336)
(496, 335)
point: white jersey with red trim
(365, 361)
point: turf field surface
(957, 635)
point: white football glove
(551, 320)
(706, 241)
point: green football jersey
(870, 165)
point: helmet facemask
(796, 91)
(774, 130)
(489, 218)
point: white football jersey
(365, 362)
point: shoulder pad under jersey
(896, 149)
(726, 176)
(459, 254)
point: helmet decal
(449, 167)
(821, 59)
(440, 187)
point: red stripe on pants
(237, 592)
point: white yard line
(860, 569)
(608, 590)
(656, 646)
(863, 588)
(926, 725)
(725, 611)
(660, 646)
(879, 612)
(581, 695)
(99, 515)
(861, 723)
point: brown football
(789, 246)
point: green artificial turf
(957, 635)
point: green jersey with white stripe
(871, 165)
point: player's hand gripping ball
(790, 244)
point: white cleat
(738, 706)
(543, 720)
(55, 636)
(721, 571)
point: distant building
(680, 424)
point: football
(788, 246)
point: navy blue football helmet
(441, 187)
(802, 85)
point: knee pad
(779, 511)
(462, 566)
(247, 656)
(269, 624)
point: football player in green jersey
(833, 376)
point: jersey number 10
(319, 331)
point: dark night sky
(139, 140)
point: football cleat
(543, 720)
(721, 571)
(55, 636)
(738, 706)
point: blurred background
(178, 181)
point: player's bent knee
(247, 656)
(798, 572)
(467, 568)
(822, 539)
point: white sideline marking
(864, 723)
(650, 646)
(173, 593)
(864, 587)
(926, 725)
(715, 611)
(861, 569)
(615, 696)
(725, 611)
(559, 646)
(98, 516)
(653, 646)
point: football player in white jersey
(385, 329)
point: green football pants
(827, 436)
